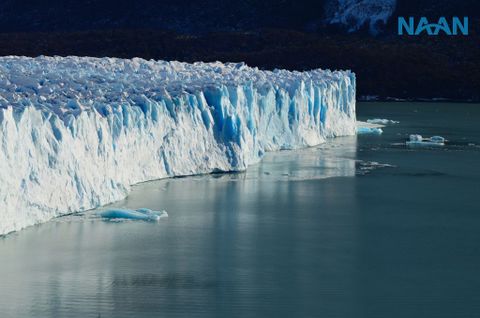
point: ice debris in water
(369, 128)
(77, 132)
(365, 167)
(418, 140)
(142, 214)
(382, 121)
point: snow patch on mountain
(356, 13)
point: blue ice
(142, 214)
(369, 130)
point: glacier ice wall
(76, 133)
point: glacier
(77, 132)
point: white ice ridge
(77, 132)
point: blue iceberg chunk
(369, 130)
(142, 214)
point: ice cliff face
(75, 133)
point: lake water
(358, 227)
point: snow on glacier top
(68, 85)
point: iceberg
(419, 141)
(382, 121)
(77, 132)
(369, 130)
(365, 128)
(141, 214)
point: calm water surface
(358, 227)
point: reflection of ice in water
(326, 161)
(335, 158)
(365, 167)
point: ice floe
(141, 214)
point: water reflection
(285, 239)
(253, 242)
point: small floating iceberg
(419, 141)
(141, 214)
(368, 128)
(382, 121)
